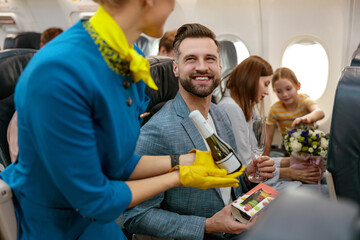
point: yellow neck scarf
(113, 35)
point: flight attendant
(78, 103)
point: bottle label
(231, 163)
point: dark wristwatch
(175, 160)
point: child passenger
(292, 108)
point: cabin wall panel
(237, 17)
(354, 34)
(324, 20)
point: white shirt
(226, 191)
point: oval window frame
(301, 71)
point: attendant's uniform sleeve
(130, 166)
(71, 154)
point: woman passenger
(246, 88)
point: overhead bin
(79, 9)
(9, 23)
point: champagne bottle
(223, 154)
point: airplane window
(241, 49)
(310, 64)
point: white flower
(323, 154)
(311, 133)
(296, 134)
(296, 146)
(292, 139)
(310, 150)
(324, 143)
(287, 147)
(314, 146)
(318, 132)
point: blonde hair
(284, 72)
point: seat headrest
(12, 63)
(23, 40)
(356, 58)
(161, 70)
(143, 43)
(228, 57)
(229, 60)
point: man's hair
(49, 34)
(167, 41)
(192, 30)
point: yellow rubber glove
(204, 177)
(204, 173)
(204, 158)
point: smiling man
(189, 213)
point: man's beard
(199, 91)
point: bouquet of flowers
(306, 141)
(307, 144)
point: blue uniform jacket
(78, 126)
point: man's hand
(223, 222)
(265, 166)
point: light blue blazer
(179, 213)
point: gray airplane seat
(344, 146)
(144, 44)
(356, 58)
(12, 63)
(23, 40)
(229, 60)
(228, 57)
(300, 214)
(161, 70)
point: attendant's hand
(265, 166)
(205, 174)
(223, 222)
(303, 119)
(205, 177)
(307, 175)
(204, 158)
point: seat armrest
(8, 222)
(330, 184)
